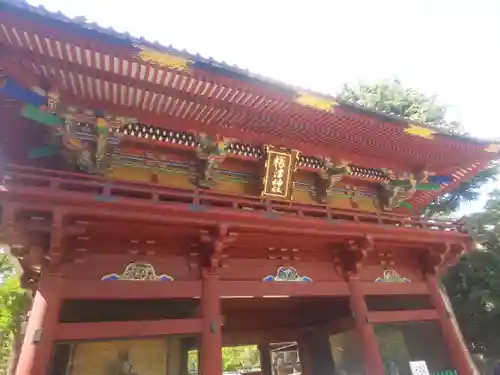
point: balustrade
(22, 179)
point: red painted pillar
(41, 328)
(450, 334)
(211, 336)
(371, 354)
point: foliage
(234, 358)
(392, 97)
(13, 302)
(474, 284)
(465, 192)
(392, 346)
(240, 358)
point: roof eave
(273, 85)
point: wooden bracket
(453, 252)
(434, 259)
(361, 249)
(57, 234)
(13, 237)
(350, 257)
(215, 243)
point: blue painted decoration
(439, 180)
(14, 90)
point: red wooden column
(450, 334)
(211, 337)
(371, 354)
(40, 331)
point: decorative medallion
(287, 274)
(138, 272)
(391, 276)
(164, 59)
(317, 102)
(278, 178)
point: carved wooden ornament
(391, 276)
(138, 272)
(287, 274)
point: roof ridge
(82, 22)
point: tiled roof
(116, 36)
(229, 97)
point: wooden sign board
(278, 178)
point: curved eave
(120, 40)
(91, 33)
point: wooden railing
(106, 190)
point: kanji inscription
(278, 179)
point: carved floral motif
(287, 274)
(391, 276)
(210, 154)
(94, 153)
(399, 189)
(138, 272)
(331, 173)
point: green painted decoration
(446, 372)
(428, 187)
(407, 205)
(41, 152)
(33, 113)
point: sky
(450, 48)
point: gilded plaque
(278, 178)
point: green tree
(474, 284)
(234, 358)
(13, 304)
(392, 97)
(240, 357)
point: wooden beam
(178, 213)
(115, 289)
(121, 330)
(126, 51)
(178, 124)
(400, 316)
(255, 337)
(383, 289)
(246, 114)
(276, 289)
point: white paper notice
(419, 368)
